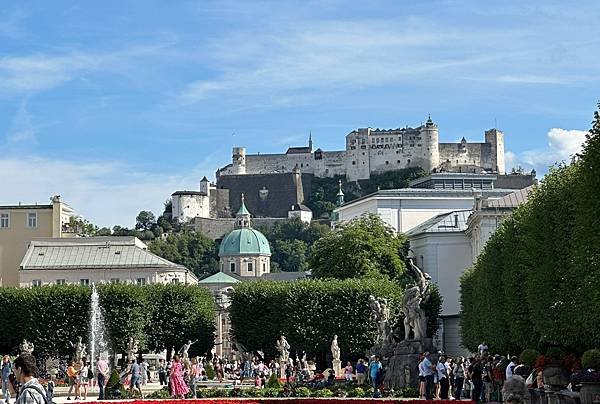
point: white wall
(187, 207)
(445, 256)
(404, 213)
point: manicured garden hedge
(537, 282)
(309, 313)
(160, 316)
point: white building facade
(85, 261)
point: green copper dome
(244, 241)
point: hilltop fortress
(375, 151)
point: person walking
(6, 371)
(476, 375)
(84, 379)
(73, 381)
(178, 387)
(31, 391)
(442, 374)
(427, 369)
(374, 373)
(459, 377)
(102, 376)
(135, 372)
(361, 372)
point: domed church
(245, 251)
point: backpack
(90, 374)
(39, 390)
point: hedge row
(309, 313)
(160, 316)
(537, 282)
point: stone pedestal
(282, 365)
(337, 367)
(401, 361)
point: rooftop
(92, 253)
(19, 206)
(220, 277)
(452, 222)
(429, 193)
(511, 200)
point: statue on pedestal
(26, 347)
(132, 349)
(284, 349)
(335, 349)
(183, 352)
(414, 315)
(79, 347)
(381, 315)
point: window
(61, 282)
(84, 282)
(250, 267)
(32, 220)
(232, 266)
(354, 163)
(264, 267)
(4, 221)
(36, 282)
(175, 280)
(115, 280)
(140, 281)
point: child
(50, 389)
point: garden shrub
(160, 394)
(591, 359)
(273, 392)
(555, 354)
(540, 271)
(302, 392)
(273, 382)
(528, 357)
(356, 392)
(322, 393)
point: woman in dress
(84, 380)
(178, 387)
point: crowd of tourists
(479, 377)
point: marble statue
(381, 315)
(26, 347)
(183, 352)
(284, 349)
(414, 315)
(80, 351)
(132, 349)
(335, 349)
(304, 361)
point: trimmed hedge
(158, 315)
(537, 281)
(309, 313)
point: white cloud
(105, 192)
(563, 144)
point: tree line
(158, 316)
(537, 282)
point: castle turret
(430, 135)
(340, 194)
(204, 186)
(310, 144)
(239, 161)
(495, 138)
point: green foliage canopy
(363, 247)
(537, 281)
(193, 250)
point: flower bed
(292, 400)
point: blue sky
(116, 104)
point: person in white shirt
(510, 369)
(482, 348)
(442, 374)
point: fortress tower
(495, 138)
(431, 136)
(239, 161)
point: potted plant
(589, 376)
(555, 375)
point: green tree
(180, 313)
(190, 249)
(290, 255)
(145, 220)
(364, 247)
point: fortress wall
(475, 154)
(278, 163)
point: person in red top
(73, 381)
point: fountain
(98, 342)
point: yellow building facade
(19, 224)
